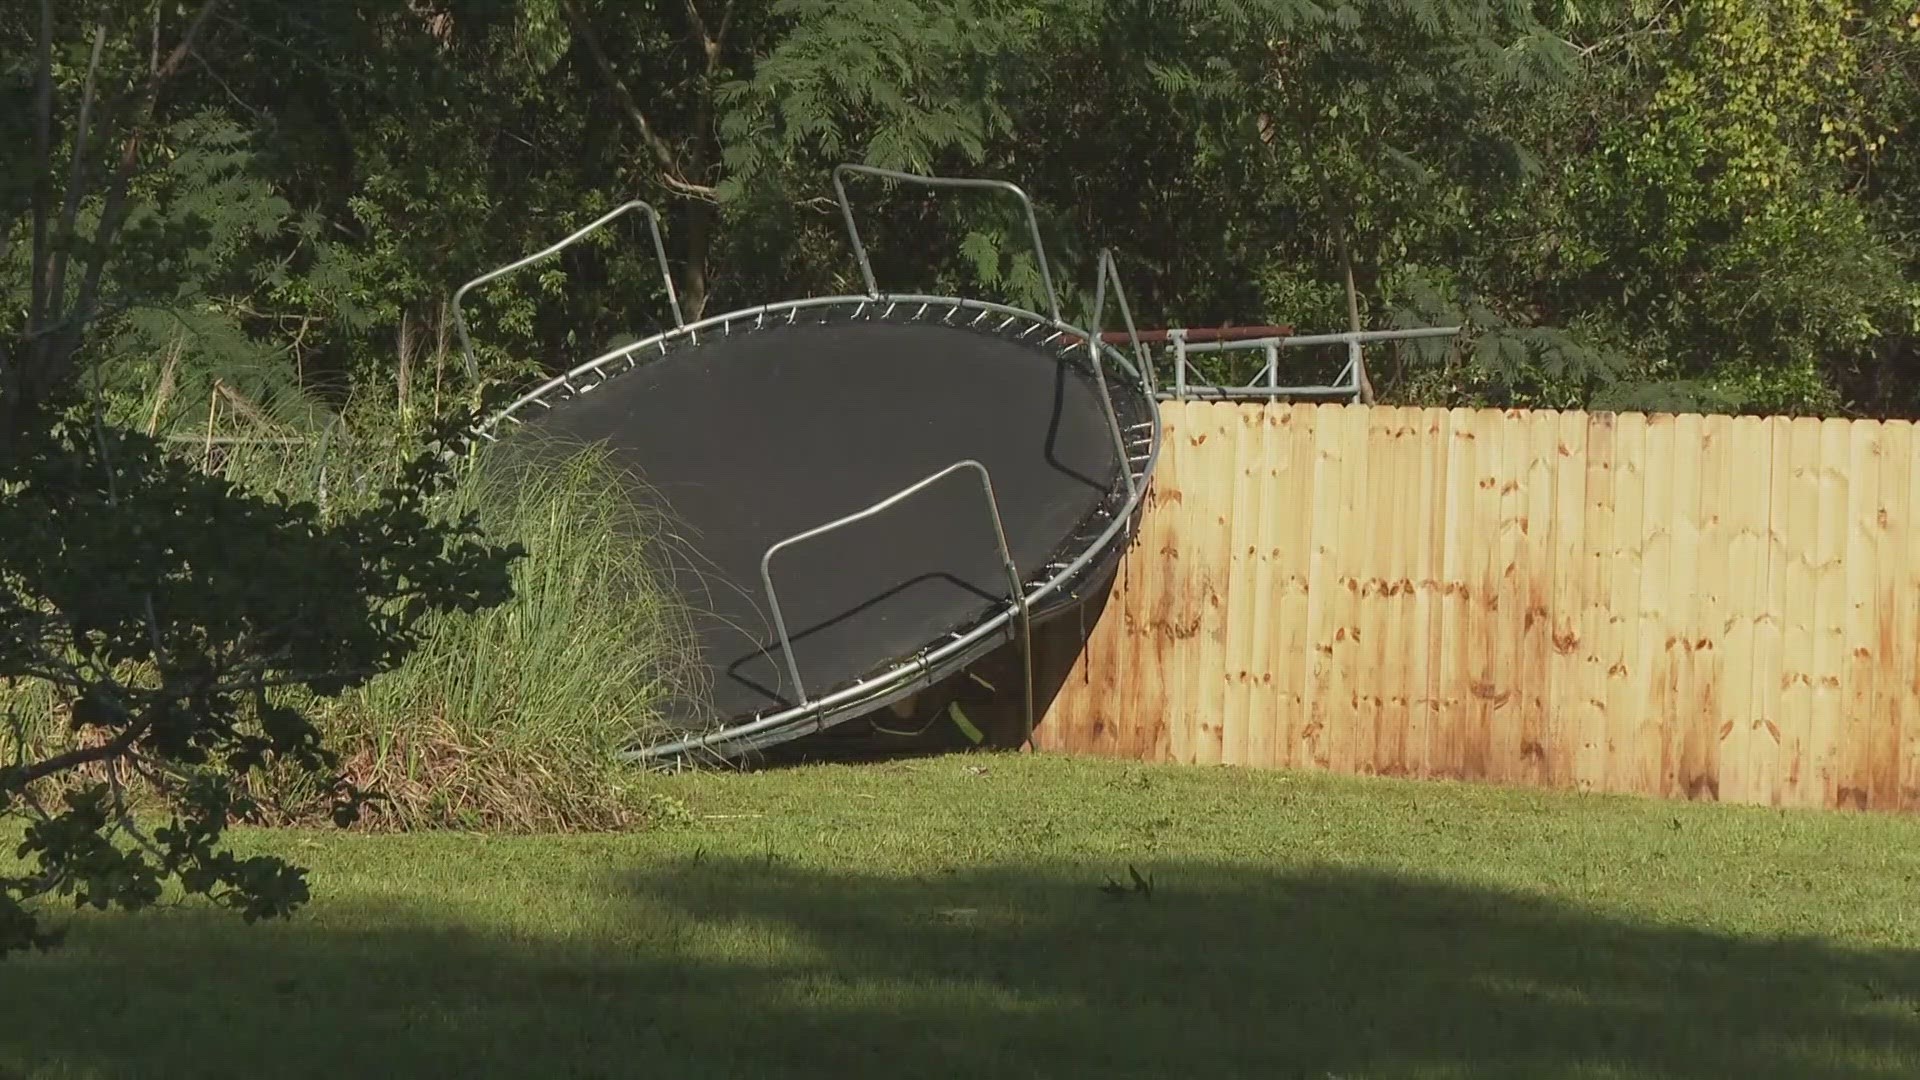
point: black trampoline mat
(747, 439)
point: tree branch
(76, 180)
(699, 23)
(114, 214)
(656, 146)
(42, 163)
(73, 759)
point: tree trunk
(693, 297)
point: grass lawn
(944, 917)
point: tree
(174, 626)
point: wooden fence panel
(1682, 606)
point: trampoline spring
(888, 314)
(976, 319)
(857, 312)
(922, 313)
(1144, 425)
(1050, 339)
(1009, 322)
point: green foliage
(898, 86)
(172, 616)
(1710, 204)
(1712, 196)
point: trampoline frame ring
(915, 672)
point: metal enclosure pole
(659, 250)
(860, 248)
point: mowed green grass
(944, 917)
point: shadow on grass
(752, 967)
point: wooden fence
(1685, 606)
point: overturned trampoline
(878, 490)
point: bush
(176, 633)
(507, 718)
(510, 718)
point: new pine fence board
(1698, 767)
(1244, 511)
(1830, 608)
(1266, 635)
(1894, 636)
(1743, 493)
(1447, 743)
(1423, 652)
(1351, 742)
(1768, 679)
(1585, 702)
(1623, 624)
(1323, 605)
(1534, 582)
(1652, 671)
(1908, 685)
(1489, 687)
(1293, 585)
(1800, 528)
(1382, 623)
(1854, 781)
(1209, 528)
(1562, 691)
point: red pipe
(1195, 334)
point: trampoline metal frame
(860, 248)
(591, 227)
(1017, 596)
(914, 673)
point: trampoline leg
(1026, 657)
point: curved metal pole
(1017, 594)
(1110, 271)
(860, 249)
(1099, 369)
(659, 249)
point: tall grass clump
(510, 718)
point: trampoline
(867, 492)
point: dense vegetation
(1705, 204)
(232, 227)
